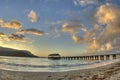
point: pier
(92, 57)
(101, 55)
(109, 55)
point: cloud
(109, 15)
(1, 21)
(88, 39)
(108, 46)
(53, 23)
(33, 16)
(31, 31)
(13, 24)
(77, 39)
(12, 37)
(85, 38)
(88, 35)
(16, 37)
(3, 37)
(103, 32)
(73, 27)
(84, 2)
(93, 45)
(1, 34)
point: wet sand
(108, 72)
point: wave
(46, 66)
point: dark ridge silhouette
(15, 53)
(54, 56)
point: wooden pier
(103, 56)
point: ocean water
(47, 65)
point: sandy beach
(108, 72)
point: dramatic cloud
(73, 27)
(88, 35)
(84, 2)
(33, 16)
(31, 31)
(103, 33)
(93, 45)
(16, 37)
(109, 15)
(89, 39)
(13, 24)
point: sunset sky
(68, 27)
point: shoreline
(55, 70)
(107, 72)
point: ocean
(47, 65)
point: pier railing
(92, 57)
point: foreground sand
(109, 72)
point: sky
(68, 27)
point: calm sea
(46, 65)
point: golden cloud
(75, 38)
(88, 35)
(73, 27)
(1, 21)
(107, 14)
(107, 28)
(31, 31)
(110, 15)
(1, 34)
(13, 24)
(33, 16)
(78, 39)
(93, 45)
(3, 37)
(16, 37)
(13, 37)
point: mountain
(15, 53)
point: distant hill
(15, 53)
